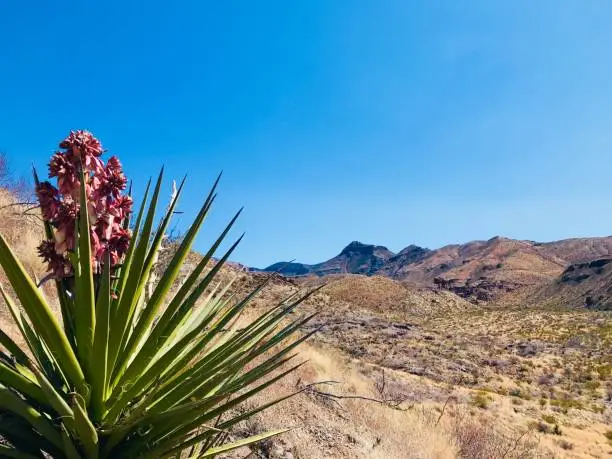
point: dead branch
(311, 389)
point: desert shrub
(516, 392)
(592, 385)
(608, 435)
(479, 441)
(549, 418)
(481, 400)
(540, 427)
(125, 374)
(566, 445)
(596, 408)
(545, 427)
(604, 371)
(565, 404)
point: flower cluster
(107, 207)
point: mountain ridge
(480, 270)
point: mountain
(478, 270)
(587, 284)
(499, 259)
(578, 249)
(410, 255)
(355, 258)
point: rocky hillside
(479, 270)
(586, 284)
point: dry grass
(347, 428)
(23, 231)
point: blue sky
(390, 122)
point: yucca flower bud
(107, 207)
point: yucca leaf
(123, 394)
(129, 295)
(66, 306)
(140, 420)
(240, 443)
(7, 452)
(86, 432)
(127, 262)
(162, 383)
(227, 350)
(162, 288)
(42, 317)
(178, 309)
(268, 365)
(37, 347)
(168, 440)
(22, 436)
(219, 362)
(146, 267)
(185, 378)
(153, 339)
(69, 449)
(13, 348)
(85, 313)
(44, 357)
(12, 378)
(55, 400)
(11, 402)
(100, 349)
(141, 361)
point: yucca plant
(124, 374)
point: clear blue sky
(390, 122)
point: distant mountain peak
(357, 246)
(412, 248)
(498, 238)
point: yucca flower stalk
(123, 374)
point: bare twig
(444, 408)
(516, 443)
(311, 389)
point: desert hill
(479, 270)
(586, 284)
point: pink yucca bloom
(107, 207)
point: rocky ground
(538, 373)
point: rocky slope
(478, 270)
(586, 284)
